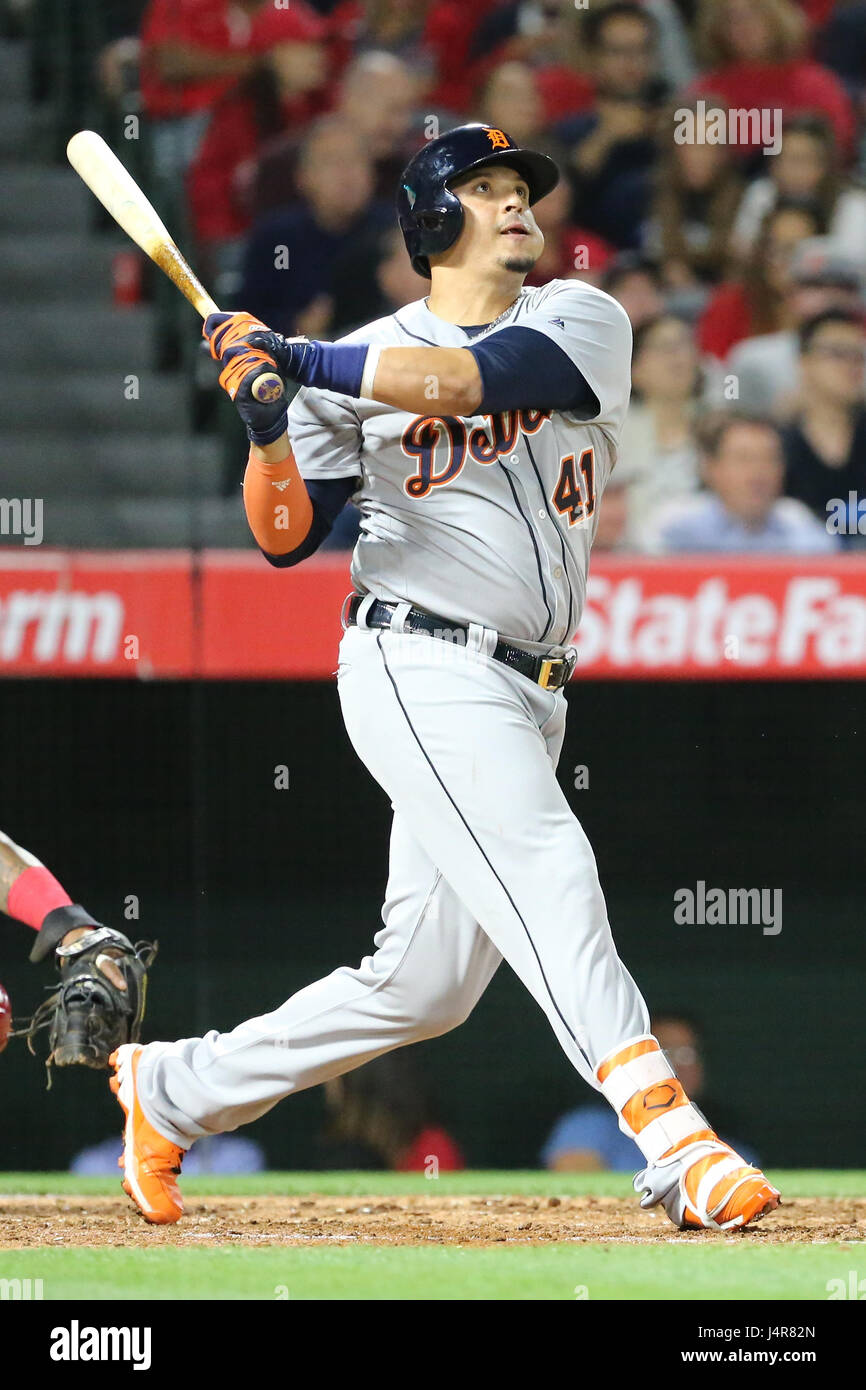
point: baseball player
(476, 430)
(99, 1003)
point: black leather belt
(551, 673)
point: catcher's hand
(99, 1003)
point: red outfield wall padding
(227, 615)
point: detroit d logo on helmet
(498, 140)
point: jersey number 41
(569, 498)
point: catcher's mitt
(89, 1016)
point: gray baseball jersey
(489, 519)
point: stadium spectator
(805, 167)
(286, 89)
(376, 278)
(397, 26)
(511, 100)
(635, 281)
(546, 35)
(676, 54)
(382, 1116)
(825, 447)
(118, 60)
(570, 251)
(698, 191)
(611, 537)
(192, 52)
(528, 31)
(290, 257)
(376, 99)
(658, 449)
(432, 36)
(538, 31)
(588, 1139)
(611, 146)
(451, 25)
(818, 11)
(841, 46)
(754, 56)
(766, 367)
(743, 508)
(757, 300)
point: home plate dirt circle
(405, 1220)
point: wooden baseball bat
(118, 192)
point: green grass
(793, 1182)
(739, 1268)
(719, 1271)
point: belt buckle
(557, 671)
(551, 671)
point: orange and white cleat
(150, 1163)
(700, 1181)
(706, 1184)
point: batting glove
(222, 331)
(226, 334)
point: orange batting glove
(239, 363)
(265, 418)
(222, 331)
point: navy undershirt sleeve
(328, 496)
(521, 369)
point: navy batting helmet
(431, 216)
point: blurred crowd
(712, 155)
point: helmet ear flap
(432, 230)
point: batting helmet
(431, 216)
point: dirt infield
(409, 1220)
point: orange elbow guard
(277, 504)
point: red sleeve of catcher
(34, 894)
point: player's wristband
(339, 367)
(334, 367)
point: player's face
(500, 229)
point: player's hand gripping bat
(118, 192)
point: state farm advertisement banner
(227, 615)
(724, 619)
